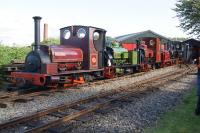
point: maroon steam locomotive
(81, 56)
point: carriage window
(66, 34)
(81, 33)
(96, 36)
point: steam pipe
(36, 45)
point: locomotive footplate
(46, 79)
(78, 72)
(33, 78)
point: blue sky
(118, 17)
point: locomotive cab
(90, 40)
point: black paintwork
(37, 32)
(35, 59)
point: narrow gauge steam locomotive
(84, 56)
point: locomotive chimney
(37, 32)
(45, 36)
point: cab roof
(84, 26)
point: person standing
(197, 111)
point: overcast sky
(118, 17)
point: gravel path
(141, 113)
(39, 103)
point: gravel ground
(141, 113)
(39, 103)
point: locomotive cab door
(99, 44)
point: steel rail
(12, 97)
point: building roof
(131, 38)
(192, 42)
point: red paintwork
(77, 72)
(148, 52)
(34, 78)
(93, 54)
(94, 60)
(158, 47)
(165, 56)
(109, 72)
(129, 46)
(68, 66)
(51, 68)
(166, 61)
(153, 50)
(66, 54)
(72, 82)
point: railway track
(55, 116)
(20, 96)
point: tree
(188, 12)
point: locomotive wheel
(153, 67)
(88, 78)
(22, 83)
(52, 86)
(10, 87)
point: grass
(181, 119)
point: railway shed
(131, 38)
(191, 49)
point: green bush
(52, 41)
(7, 54)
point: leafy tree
(188, 12)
